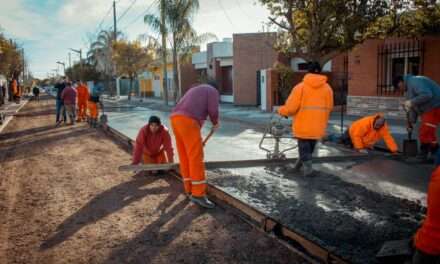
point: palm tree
(183, 38)
(158, 24)
(101, 54)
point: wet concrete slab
(350, 208)
(346, 218)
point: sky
(46, 29)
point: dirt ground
(62, 200)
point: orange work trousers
(190, 149)
(428, 128)
(157, 159)
(93, 109)
(427, 238)
(82, 109)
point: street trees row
(318, 30)
(11, 58)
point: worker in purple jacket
(69, 98)
(187, 120)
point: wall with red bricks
(432, 58)
(252, 52)
(362, 69)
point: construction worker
(83, 97)
(365, 132)
(69, 99)
(310, 103)
(92, 105)
(154, 142)
(60, 110)
(187, 119)
(427, 238)
(423, 98)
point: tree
(318, 30)
(101, 54)
(89, 72)
(158, 24)
(130, 59)
(410, 19)
(183, 37)
(11, 58)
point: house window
(398, 59)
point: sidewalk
(8, 110)
(257, 118)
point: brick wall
(252, 52)
(432, 58)
(368, 105)
(188, 77)
(362, 69)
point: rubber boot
(307, 168)
(297, 166)
(424, 151)
(203, 202)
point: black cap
(154, 119)
(314, 67)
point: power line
(141, 15)
(126, 10)
(226, 14)
(105, 16)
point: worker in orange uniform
(153, 142)
(427, 238)
(365, 132)
(92, 105)
(83, 97)
(187, 120)
(310, 103)
(423, 99)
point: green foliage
(89, 72)
(286, 80)
(319, 30)
(11, 58)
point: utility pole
(64, 66)
(114, 20)
(70, 60)
(163, 32)
(80, 61)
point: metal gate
(398, 59)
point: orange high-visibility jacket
(14, 87)
(363, 135)
(310, 102)
(427, 238)
(82, 93)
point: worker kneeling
(310, 103)
(427, 238)
(365, 132)
(153, 143)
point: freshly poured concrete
(350, 207)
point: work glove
(407, 105)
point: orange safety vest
(311, 103)
(427, 238)
(363, 135)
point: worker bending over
(365, 132)
(153, 142)
(83, 97)
(427, 238)
(423, 98)
(187, 120)
(310, 103)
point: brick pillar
(271, 89)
